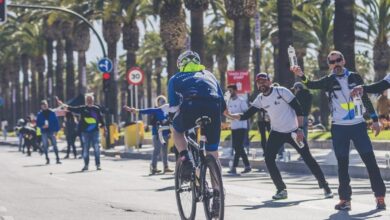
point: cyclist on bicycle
(194, 92)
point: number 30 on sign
(135, 76)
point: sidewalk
(324, 156)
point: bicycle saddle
(203, 120)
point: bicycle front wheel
(214, 195)
(185, 195)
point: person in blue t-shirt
(194, 92)
(159, 118)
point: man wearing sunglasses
(346, 126)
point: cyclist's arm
(173, 97)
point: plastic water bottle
(285, 158)
(288, 156)
(299, 143)
(357, 101)
(292, 56)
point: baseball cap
(298, 85)
(262, 76)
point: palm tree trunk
(16, 89)
(60, 69)
(197, 33)
(82, 72)
(286, 78)
(26, 89)
(34, 82)
(49, 54)
(381, 59)
(324, 101)
(158, 68)
(70, 74)
(222, 68)
(126, 93)
(113, 102)
(344, 31)
(242, 37)
(172, 56)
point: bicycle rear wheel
(185, 195)
(214, 195)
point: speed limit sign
(135, 76)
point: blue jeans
(91, 138)
(46, 136)
(341, 137)
(158, 146)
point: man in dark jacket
(348, 125)
(48, 123)
(91, 119)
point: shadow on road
(169, 188)
(76, 172)
(35, 165)
(274, 204)
(343, 215)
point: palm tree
(149, 55)
(81, 40)
(344, 31)
(240, 11)
(319, 18)
(219, 37)
(49, 36)
(67, 33)
(60, 51)
(285, 35)
(197, 7)
(173, 30)
(374, 22)
(112, 29)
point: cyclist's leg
(212, 132)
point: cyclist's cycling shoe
(215, 206)
(186, 170)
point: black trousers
(275, 141)
(263, 126)
(238, 136)
(71, 139)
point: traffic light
(106, 81)
(3, 11)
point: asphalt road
(124, 190)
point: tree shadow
(344, 215)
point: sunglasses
(338, 60)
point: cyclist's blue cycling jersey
(197, 94)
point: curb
(289, 167)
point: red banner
(241, 79)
